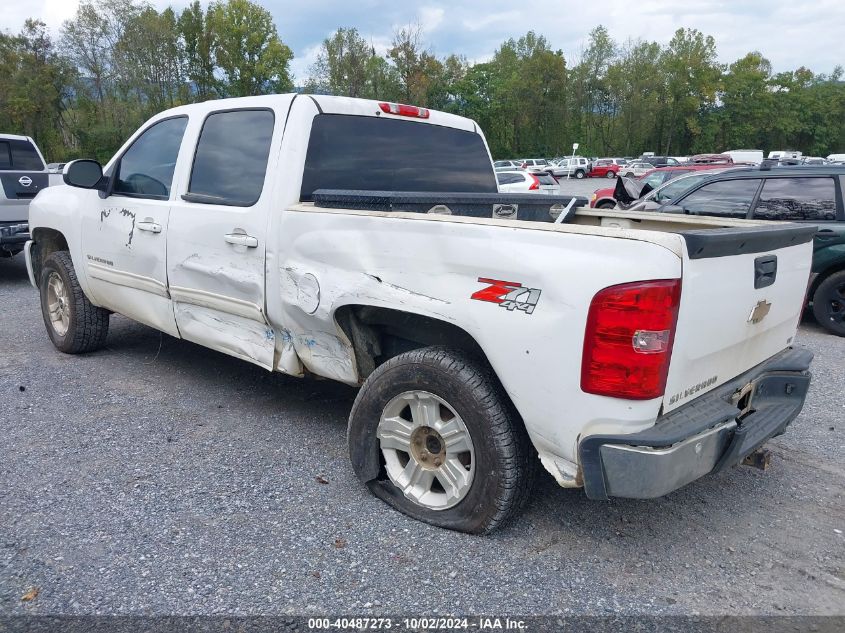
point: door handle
(241, 239)
(825, 234)
(149, 226)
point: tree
(341, 66)
(247, 49)
(198, 43)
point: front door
(216, 238)
(124, 234)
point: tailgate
(742, 297)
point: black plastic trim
(776, 409)
(725, 242)
(530, 207)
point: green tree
(198, 43)
(247, 49)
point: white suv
(577, 167)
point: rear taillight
(404, 110)
(534, 185)
(628, 340)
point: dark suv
(812, 194)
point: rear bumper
(706, 435)
(13, 235)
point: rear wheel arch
(378, 334)
(822, 276)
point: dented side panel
(532, 332)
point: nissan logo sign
(25, 181)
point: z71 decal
(508, 294)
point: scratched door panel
(124, 246)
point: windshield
(676, 187)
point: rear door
(22, 176)
(217, 236)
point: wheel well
(835, 268)
(46, 241)
(378, 334)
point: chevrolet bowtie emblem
(760, 311)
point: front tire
(73, 323)
(606, 205)
(829, 303)
(610, 174)
(451, 449)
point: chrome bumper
(708, 434)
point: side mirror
(86, 174)
(672, 208)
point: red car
(606, 168)
(603, 198)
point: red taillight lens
(404, 110)
(628, 341)
(535, 184)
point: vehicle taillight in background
(628, 341)
(534, 185)
(404, 110)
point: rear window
(509, 178)
(545, 179)
(19, 155)
(797, 199)
(354, 152)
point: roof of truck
(14, 137)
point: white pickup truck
(632, 352)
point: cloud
(791, 34)
(430, 18)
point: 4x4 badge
(508, 294)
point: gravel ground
(157, 477)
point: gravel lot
(158, 477)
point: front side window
(231, 158)
(376, 153)
(728, 198)
(146, 169)
(811, 199)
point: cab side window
(146, 169)
(812, 199)
(231, 159)
(728, 198)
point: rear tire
(73, 323)
(610, 174)
(829, 303)
(579, 174)
(452, 449)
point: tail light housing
(535, 184)
(404, 110)
(628, 341)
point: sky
(790, 33)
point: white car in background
(508, 164)
(635, 169)
(527, 182)
(576, 167)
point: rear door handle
(825, 234)
(149, 226)
(240, 239)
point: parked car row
(807, 194)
